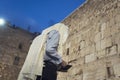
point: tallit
(34, 61)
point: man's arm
(52, 46)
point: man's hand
(64, 63)
(64, 66)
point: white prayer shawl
(33, 64)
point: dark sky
(38, 14)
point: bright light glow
(2, 21)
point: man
(51, 58)
(45, 49)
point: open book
(64, 69)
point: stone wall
(14, 45)
(93, 45)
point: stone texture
(90, 58)
(11, 55)
(117, 70)
(95, 41)
(112, 50)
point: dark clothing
(49, 72)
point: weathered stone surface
(98, 46)
(106, 42)
(90, 58)
(12, 55)
(97, 37)
(93, 44)
(117, 70)
(96, 26)
(112, 50)
(101, 54)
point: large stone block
(112, 50)
(105, 30)
(98, 46)
(115, 28)
(83, 52)
(7, 59)
(69, 78)
(116, 38)
(100, 74)
(77, 61)
(82, 44)
(90, 58)
(87, 50)
(107, 42)
(78, 77)
(101, 54)
(97, 37)
(92, 48)
(75, 70)
(117, 70)
(89, 76)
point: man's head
(51, 33)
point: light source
(2, 22)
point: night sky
(37, 14)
